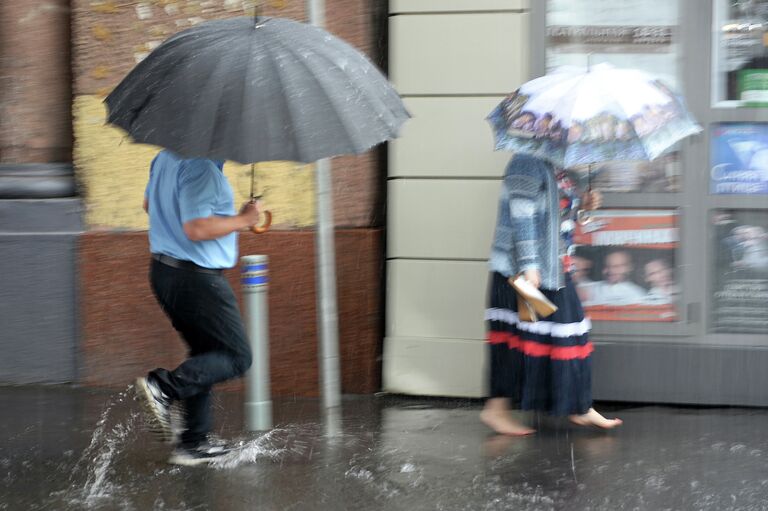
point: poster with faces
(623, 265)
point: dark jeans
(203, 309)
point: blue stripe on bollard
(254, 281)
(253, 268)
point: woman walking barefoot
(543, 365)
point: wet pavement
(66, 448)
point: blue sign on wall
(739, 159)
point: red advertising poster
(624, 265)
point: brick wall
(125, 333)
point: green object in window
(753, 87)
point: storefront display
(628, 263)
(739, 159)
(661, 175)
(741, 52)
(740, 271)
(674, 268)
(624, 265)
(639, 34)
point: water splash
(573, 465)
(272, 445)
(359, 473)
(96, 464)
(96, 437)
(97, 485)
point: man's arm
(214, 227)
(200, 189)
(146, 205)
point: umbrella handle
(583, 217)
(260, 229)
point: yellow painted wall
(114, 171)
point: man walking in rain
(193, 237)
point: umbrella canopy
(578, 116)
(250, 91)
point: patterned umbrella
(576, 116)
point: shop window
(739, 159)
(638, 34)
(739, 303)
(740, 53)
(624, 264)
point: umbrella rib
(246, 76)
(329, 97)
(212, 79)
(369, 98)
(390, 118)
(218, 110)
(631, 125)
(579, 90)
(291, 115)
(127, 86)
(154, 63)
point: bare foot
(592, 418)
(502, 423)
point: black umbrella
(257, 90)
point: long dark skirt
(545, 365)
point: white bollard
(254, 279)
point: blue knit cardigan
(527, 234)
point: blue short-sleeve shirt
(180, 190)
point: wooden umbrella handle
(260, 229)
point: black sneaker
(202, 454)
(157, 407)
